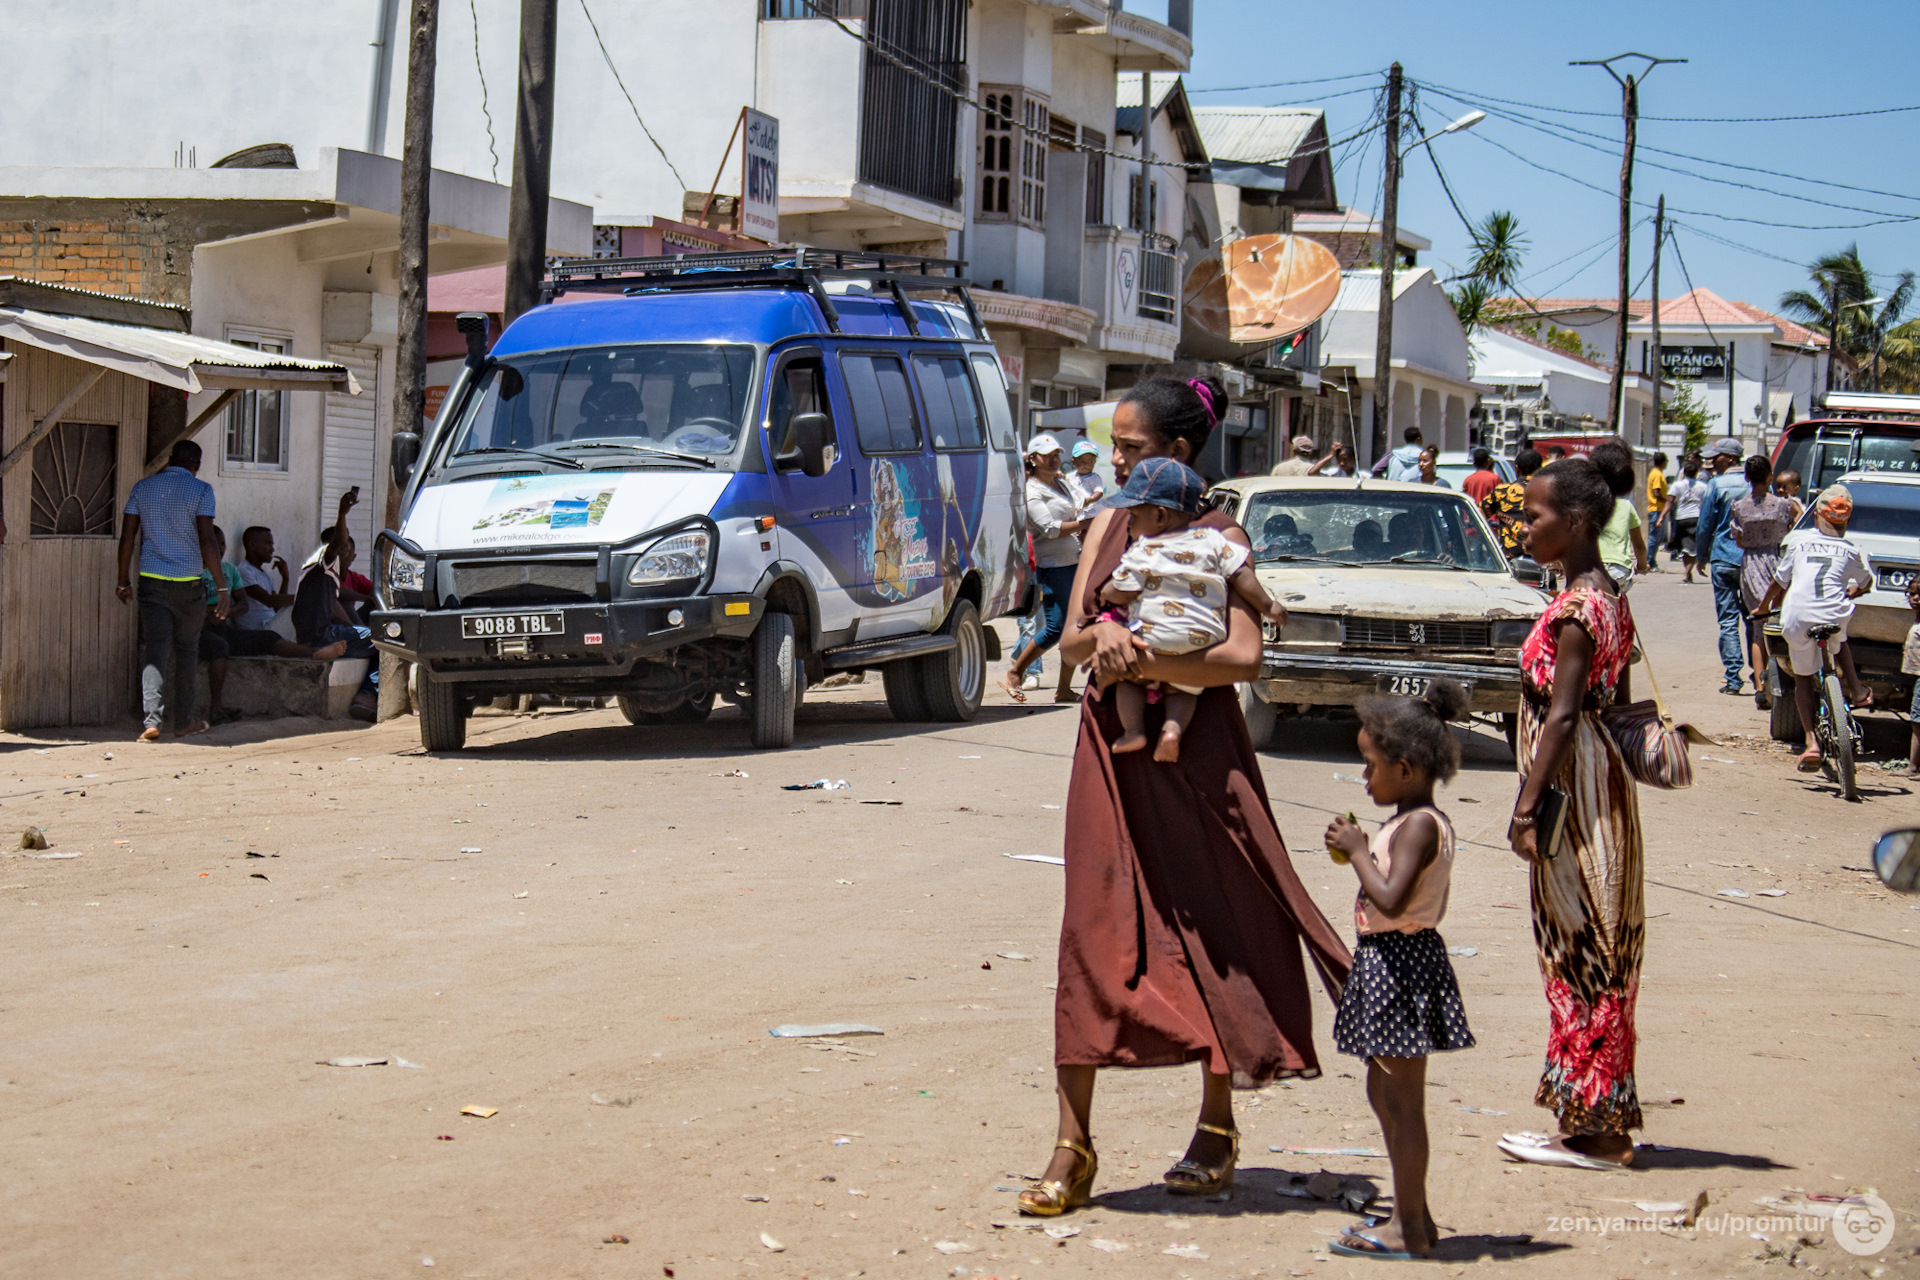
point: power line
(630, 102)
(1559, 132)
(1288, 84)
(1612, 115)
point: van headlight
(1511, 633)
(405, 572)
(677, 557)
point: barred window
(1014, 128)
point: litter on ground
(1051, 859)
(799, 1030)
(822, 784)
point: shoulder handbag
(1655, 748)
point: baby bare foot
(1129, 742)
(338, 649)
(1168, 752)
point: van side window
(883, 416)
(953, 414)
(799, 386)
(993, 391)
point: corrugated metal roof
(179, 360)
(1254, 135)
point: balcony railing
(1159, 284)
(908, 126)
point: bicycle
(1834, 727)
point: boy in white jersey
(1819, 576)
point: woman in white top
(1055, 523)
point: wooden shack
(94, 392)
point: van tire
(776, 678)
(630, 708)
(692, 711)
(1259, 715)
(953, 683)
(443, 714)
(906, 698)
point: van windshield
(1368, 526)
(651, 405)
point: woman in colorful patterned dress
(1588, 912)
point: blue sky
(1759, 58)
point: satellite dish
(1260, 290)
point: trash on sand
(616, 1239)
(895, 803)
(1049, 806)
(1011, 955)
(771, 1243)
(402, 1062)
(599, 1101)
(1331, 1151)
(1341, 777)
(258, 876)
(1183, 1251)
(1689, 1210)
(472, 848)
(1663, 1102)
(484, 1113)
(107, 756)
(1109, 1246)
(1733, 893)
(55, 857)
(1051, 859)
(1324, 1185)
(756, 1199)
(843, 1142)
(521, 894)
(1061, 1233)
(731, 773)
(969, 757)
(33, 838)
(1773, 893)
(800, 1031)
(1464, 951)
(951, 1247)
(443, 1137)
(1356, 1199)
(353, 1062)
(823, 784)
(1480, 1111)
(250, 853)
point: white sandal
(1540, 1148)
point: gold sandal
(1191, 1178)
(1052, 1198)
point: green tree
(1687, 408)
(1842, 280)
(1899, 368)
(1498, 247)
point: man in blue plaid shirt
(169, 522)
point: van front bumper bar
(596, 640)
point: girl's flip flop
(1538, 1148)
(1374, 1248)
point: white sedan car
(1386, 585)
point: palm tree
(1898, 368)
(1470, 303)
(1498, 246)
(1842, 281)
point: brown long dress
(1184, 917)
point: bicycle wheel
(1836, 724)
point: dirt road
(592, 927)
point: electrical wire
(1559, 132)
(493, 148)
(608, 57)
(1288, 84)
(1615, 115)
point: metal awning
(180, 360)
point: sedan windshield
(655, 405)
(1369, 526)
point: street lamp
(1877, 335)
(1466, 121)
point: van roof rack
(798, 267)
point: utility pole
(1389, 250)
(532, 158)
(1659, 236)
(410, 357)
(1630, 112)
(1833, 325)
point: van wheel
(692, 711)
(1783, 719)
(443, 714)
(1259, 715)
(953, 683)
(776, 679)
(630, 708)
(906, 698)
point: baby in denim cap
(1172, 584)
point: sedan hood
(1417, 595)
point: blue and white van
(721, 475)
